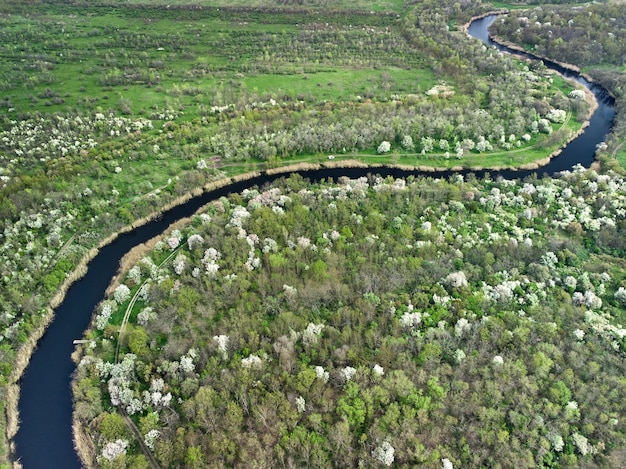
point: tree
(113, 427)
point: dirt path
(131, 305)
(620, 146)
(146, 451)
(138, 436)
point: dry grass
(238, 178)
(292, 168)
(345, 164)
(12, 397)
(84, 446)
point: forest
(590, 36)
(371, 323)
(111, 111)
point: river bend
(44, 439)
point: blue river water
(44, 439)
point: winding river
(44, 439)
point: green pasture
(509, 6)
(380, 5)
(344, 84)
(58, 62)
(138, 62)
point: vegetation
(373, 322)
(591, 37)
(110, 111)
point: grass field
(380, 5)
(175, 66)
(92, 59)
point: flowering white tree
(252, 361)
(114, 449)
(620, 295)
(447, 464)
(570, 282)
(222, 344)
(321, 373)
(556, 441)
(290, 292)
(179, 263)
(311, 334)
(209, 261)
(384, 453)
(300, 404)
(458, 149)
(134, 274)
(384, 147)
(102, 319)
(543, 125)
(407, 143)
(456, 280)
(121, 294)
(461, 326)
(427, 144)
(173, 242)
(194, 240)
(556, 115)
(146, 315)
(411, 320)
(577, 94)
(186, 364)
(582, 444)
(157, 385)
(151, 437)
(348, 372)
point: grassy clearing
(140, 61)
(108, 59)
(380, 5)
(620, 154)
(344, 84)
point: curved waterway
(44, 439)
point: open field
(380, 5)
(241, 86)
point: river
(44, 439)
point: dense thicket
(374, 323)
(590, 35)
(593, 37)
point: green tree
(352, 406)
(114, 427)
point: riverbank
(193, 323)
(181, 200)
(25, 353)
(590, 98)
